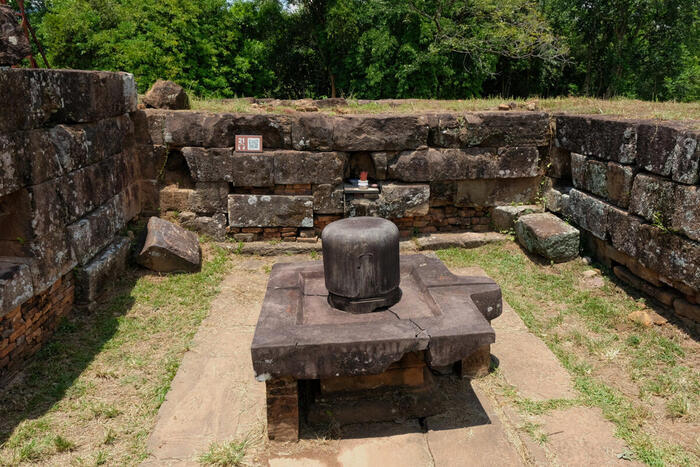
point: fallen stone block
(166, 95)
(270, 211)
(170, 248)
(548, 236)
(15, 285)
(92, 279)
(504, 217)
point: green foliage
(383, 48)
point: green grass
(588, 330)
(92, 393)
(225, 454)
(629, 108)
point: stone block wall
(71, 177)
(634, 188)
(438, 172)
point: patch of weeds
(314, 254)
(104, 410)
(225, 454)
(239, 248)
(535, 431)
(62, 444)
(101, 458)
(267, 268)
(110, 437)
(678, 407)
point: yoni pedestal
(443, 318)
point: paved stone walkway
(214, 397)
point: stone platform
(299, 336)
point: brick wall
(26, 327)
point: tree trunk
(332, 76)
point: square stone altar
(443, 318)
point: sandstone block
(328, 199)
(87, 188)
(589, 213)
(556, 198)
(623, 229)
(270, 211)
(209, 165)
(312, 132)
(170, 248)
(548, 236)
(13, 166)
(619, 183)
(166, 95)
(53, 258)
(14, 45)
(600, 137)
(209, 198)
(559, 163)
(589, 175)
(685, 161)
(212, 226)
(663, 295)
(293, 167)
(458, 164)
(49, 210)
(93, 232)
(652, 198)
(379, 133)
(15, 285)
(686, 212)
(381, 163)
(495, 192)
(504, 217)
(489, 129)
(673, 256)
(68, 96)
(96, 276)
(398, 200)
(656, 144)
(172, 198)
(687, 310)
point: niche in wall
(15, 223)
(176, 171)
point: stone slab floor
(215, 398)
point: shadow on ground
(51, 373)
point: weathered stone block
(686, 212)
(652, 198)
(600, 137)
(328, 199)
(87, 188)
(209, 198)
(489, 129)
(173, 198)
(13, 164)
(589, 213)
(548, 236)
(495, 192)
(15, 285)
(656, 143)
(458, 164)
(685, 162)
(292, 167)
(255, 170)
(687, 310)
(312, 132)
(96, 276)
(214, 226)
(559, 163)
(379, 133)
(664, 295)
(66, 96)
(398, 200)
(673, 256)
(170, 248)
(166, 95)
(619, 183)
(556, 198)
(589, 175)
(49, 211)
(209, 165)
(53, 258)
(623, 229)
(15, 45)
(270, 211)
(93, 232)
(504, 217)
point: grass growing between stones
(225, 454)
(628, 108)
(91, 395)
(645, 380)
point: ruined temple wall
(70, 178)
(632, 186)
(438, 172)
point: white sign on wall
(248, 143)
